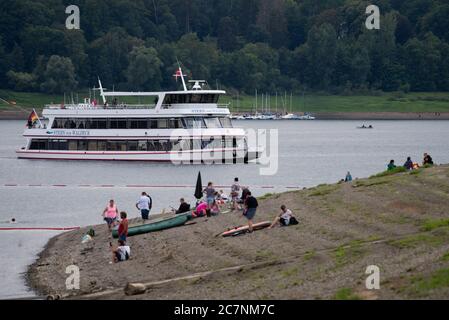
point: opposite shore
(398, 221)
(23, 115)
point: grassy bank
(397, 221)
(386, 102)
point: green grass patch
(417, 240)
(346, 294)
(437, 280)
(389, 172)
(430, 225)
(322, 190)
(312, 102)
(445, 257)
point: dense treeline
(268, 45)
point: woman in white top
(285, 218)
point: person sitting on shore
(123, 227)
(348, 177)
(215, 209)
(183, 207)
(391, 165)
(408, 164)
(427, 160)
(285, 218)
(121, 253)
(110, 214)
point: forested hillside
(244, 45)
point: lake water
(310, 153)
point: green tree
(59, 75)
(144, 70)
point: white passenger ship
(187, 126)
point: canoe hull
(155, 226)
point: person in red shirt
(123, 227)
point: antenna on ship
(100, 87)
(179, 74)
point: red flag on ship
(178, 74)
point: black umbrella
(199, 187)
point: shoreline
(327, 251)
(22, 115)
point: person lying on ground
(285, 218)
(123, 227)
(121, 253)
(183, 207)
(201, 210)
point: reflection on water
(310, 153)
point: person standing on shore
(235, 194)
(210, 194)
(251, 205)
(110, 214)
(123, 227)
(144, 205)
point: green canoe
(156, 225)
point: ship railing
(170, 106)
(97, 107)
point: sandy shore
(22, 115)
(399, 223)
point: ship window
(194, 123)
(57, 145)
(162, 123)
(151, 146)
(226, 122)
(175, 123)
(82, 145)
(102, 146)
(58, 123)
(102, 123)
(92, 145)
(138, 124)
(142, 145)
(39, 144)
(153, 124)
(118, 124)
(212, 123)
(132, 145)
(73, 145)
